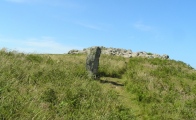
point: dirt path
(125, 98)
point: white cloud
(90, 26)
(56, 3)
(17, 1)
(37, 45)
(20, 1)
(142, 27)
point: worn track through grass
(118, 85)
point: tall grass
(164, 89)
(57, 87)
(112, 66)
(53, 87)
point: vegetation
(149, 53)
(57, 87)
(164, 89)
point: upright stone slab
(92, 61)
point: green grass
(57, 87)
(164, 89)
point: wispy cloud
(142, 27)
(19, 1)
(90, 26)
(38, 45)
(56, 3)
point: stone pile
(121, 52)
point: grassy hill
(57, 87)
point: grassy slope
(57, 87)
(164, 89)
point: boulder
(165, 56)
(127, 55)
(73, 51)
(135, 54)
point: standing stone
(92, 61)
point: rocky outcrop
(121, 52)
(92, 61)
(77, 52)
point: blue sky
(56, 26)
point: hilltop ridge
(121, 52)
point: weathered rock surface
(92, 61)
(121, 52)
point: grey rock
(127, 55)
(73, 51)
(92, 61)
(165, 56)
(135, 54)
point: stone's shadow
(111, 82)
(109, 75)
